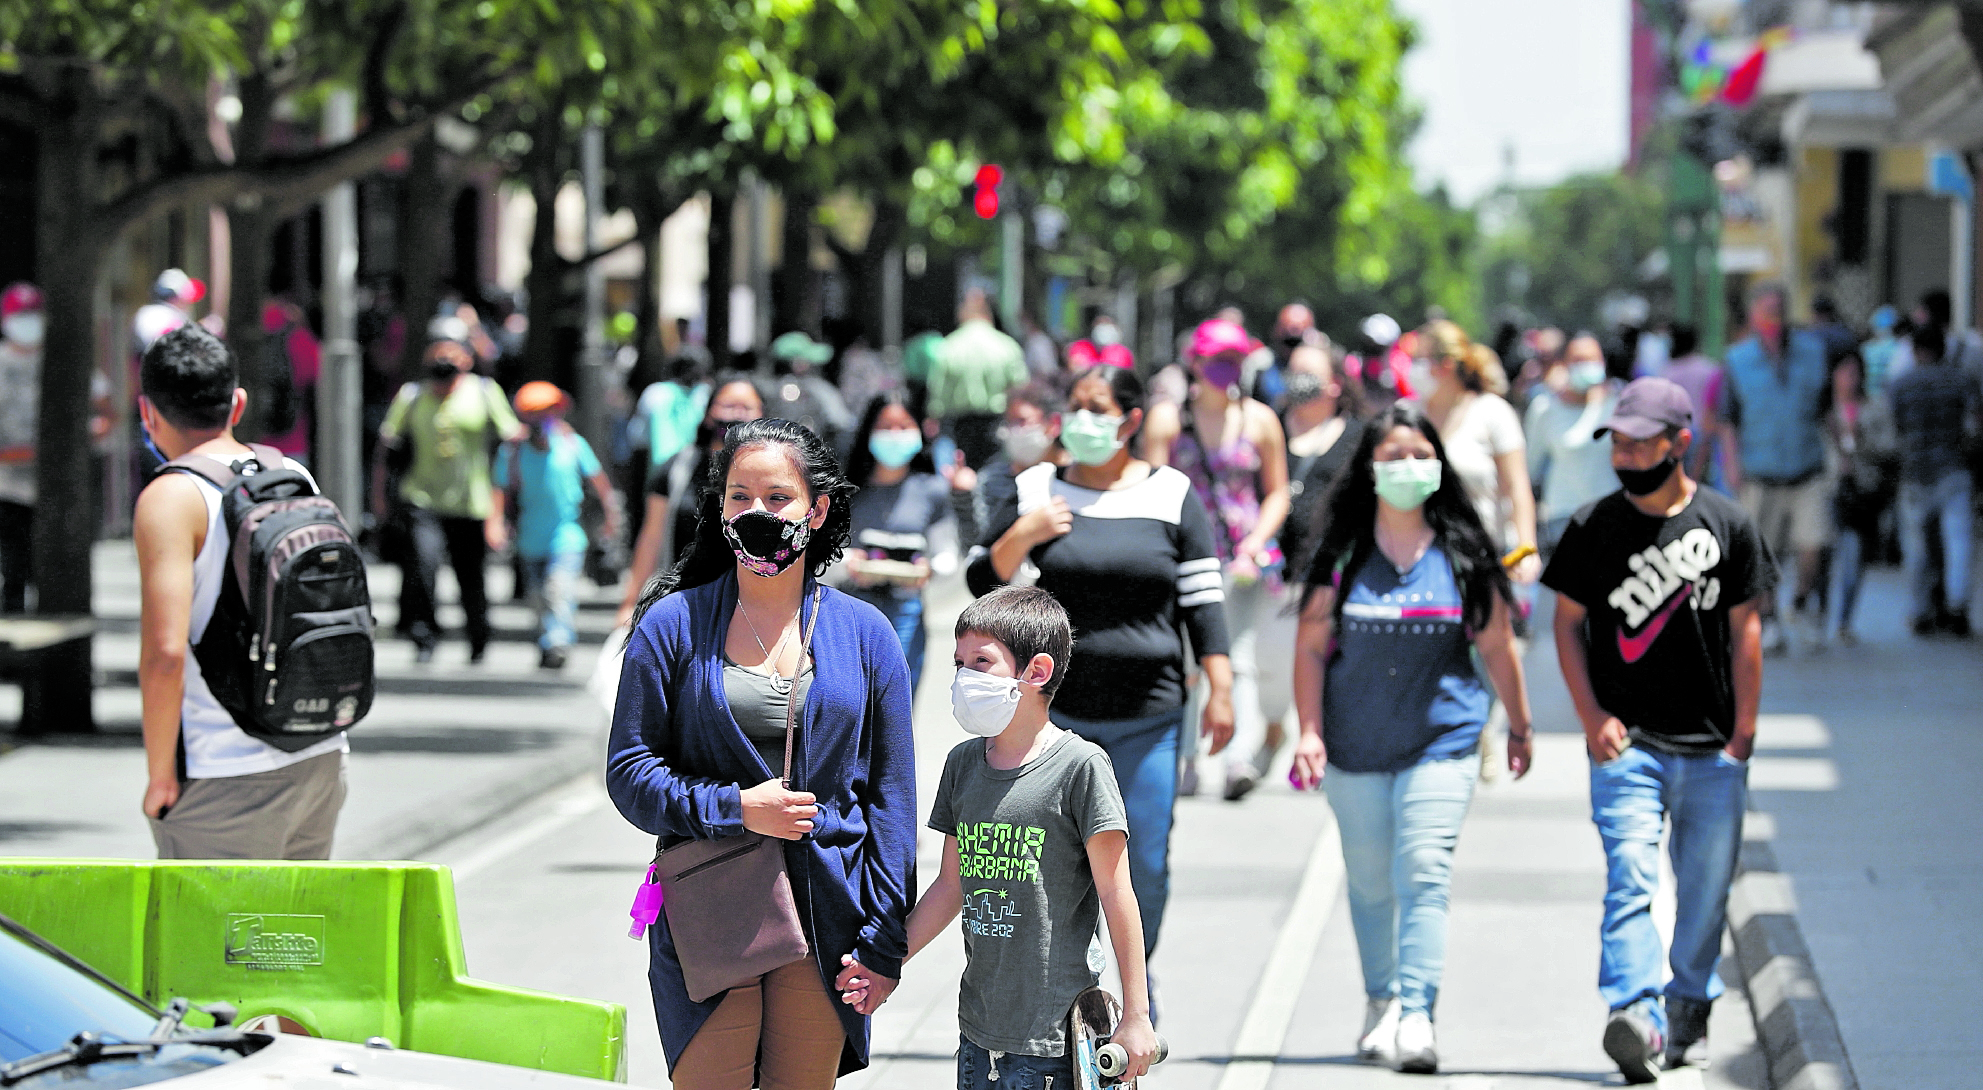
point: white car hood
(307, 1063)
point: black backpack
(288, 651)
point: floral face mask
(766, 544)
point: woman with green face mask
(1404, 588)
(1127, 548)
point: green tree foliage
(1561, 250)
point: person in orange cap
(540, 482)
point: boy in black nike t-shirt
(1660, 639)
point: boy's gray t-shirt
(1031, 912)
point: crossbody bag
(729, 901)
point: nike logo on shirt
(1634, 648)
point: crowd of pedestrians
(1336, 546)
(1378, 516)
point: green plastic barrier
(349, 950)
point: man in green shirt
(974, 368)
(442, 430)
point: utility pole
(1693, 200)
(591, 415)
(891, 298)
(339, 457)
(1011, 266)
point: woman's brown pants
(783, 1025)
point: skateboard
(1090, 1023)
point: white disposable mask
(1423, 383)
(984, 705)
(25, 329)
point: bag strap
(212, 470)
(219, 473)
(268, 457)
(792, 701)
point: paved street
(1867, 774)
(1519, 1009)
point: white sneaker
(1380, 1031)
(1418, 1052)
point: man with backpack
(540, 482)
(244, 705)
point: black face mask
(766, 544)
(1645, 482)
(1293, 341)
(442, 370)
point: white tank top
(215, 747)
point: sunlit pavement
(1867, 772)
(1257, 967)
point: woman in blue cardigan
(698, 745)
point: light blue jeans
(552, 583)
(905, 615)
(1399, 830)
(1144, 753)
(1633, 796)
(1946, 502)
(1848, 571)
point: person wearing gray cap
(1659, 634)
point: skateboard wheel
(1112, 1059)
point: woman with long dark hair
(716, 657)
(673, 493)
(1404, 587)
(903, 528)
(1127, 549)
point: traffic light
(985, 200)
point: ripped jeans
(979, 1069)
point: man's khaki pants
(284, 813)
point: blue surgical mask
(1586, 374)
(144, 436)
(894, 447)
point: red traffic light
(985, 200)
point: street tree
(117, 95)
(1557, 252)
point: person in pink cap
(21, 328)
(1233, 450)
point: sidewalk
(446, 747)
(1870, 769)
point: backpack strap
(209, 469)
(269, 457)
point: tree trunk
(649, 366)
(866, 274)
(545, 284)
(422, 235)
(794, 294)
(71, 247)
(251, 237)
(722, 246)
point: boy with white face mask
(1035, 844)
(20, 399)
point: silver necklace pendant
(781, 684)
